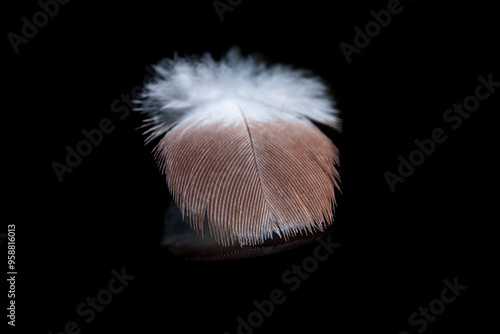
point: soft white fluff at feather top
(184, 87)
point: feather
(239, 149)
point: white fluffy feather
(238, 147)
(215, 90)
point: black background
(396, 247)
